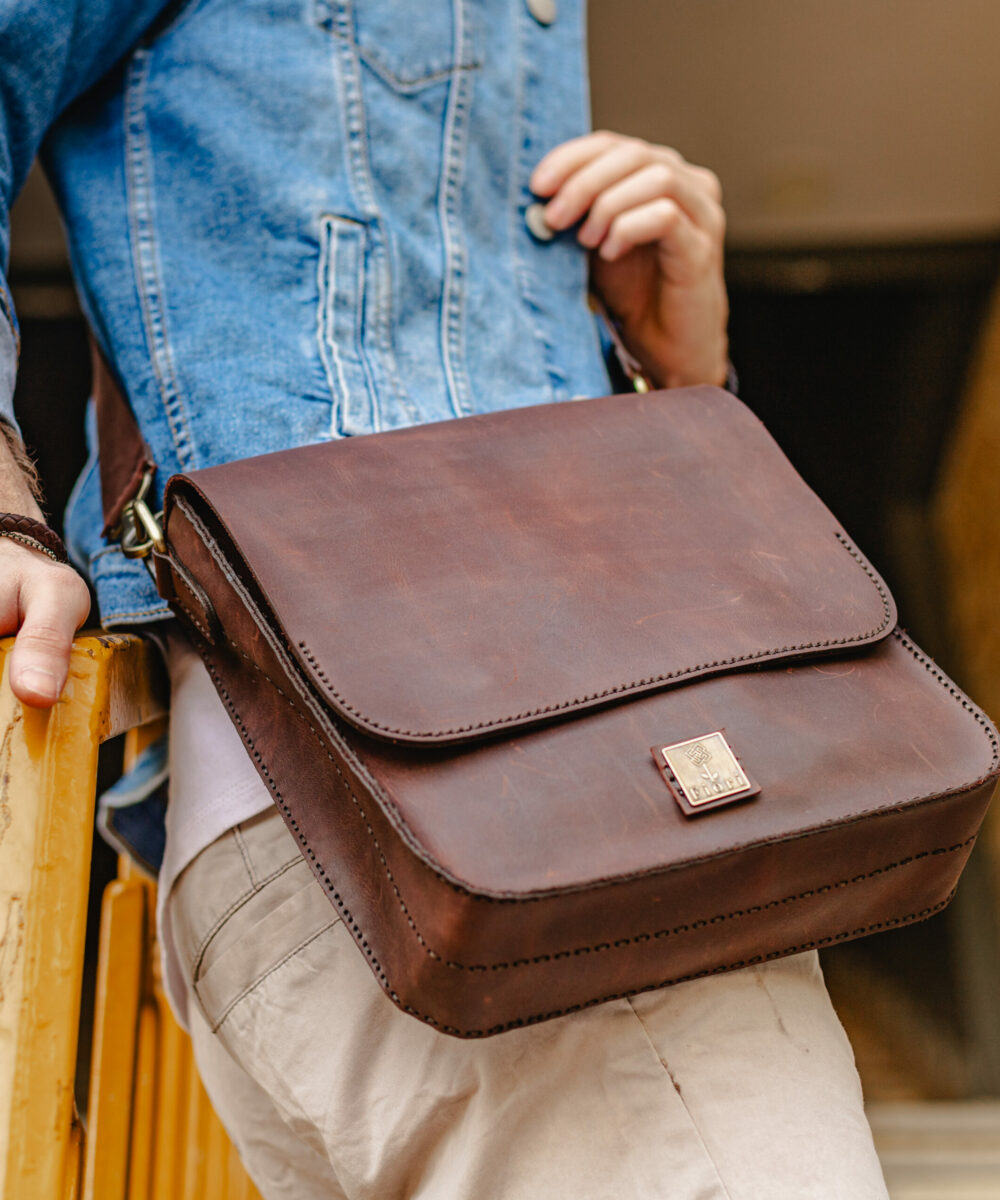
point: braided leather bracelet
(33, 533)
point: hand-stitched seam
(359, 933)
(284, 653)
(383, 977)
(935, 671)
(754, 960)
(356, 929)
(189, 612)
(345, 912)
(836, 821)
(327, 881)
(704, 923)
(620, 943)
(618, 689)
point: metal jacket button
(534, 218)
(544, 11)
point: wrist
(670, 371)
(33, 534)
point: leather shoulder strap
(125, 456)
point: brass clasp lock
(140, 531)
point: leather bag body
(456, 652)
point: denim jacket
(294, 220)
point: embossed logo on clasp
(703, 773)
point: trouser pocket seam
(237, 904)
(217, 1023)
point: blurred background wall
(830, 121)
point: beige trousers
(740, 1086)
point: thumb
(54, 603)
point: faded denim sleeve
(8, 358)
(51, 51)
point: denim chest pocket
(409, 44)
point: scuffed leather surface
(475, 575)
(495, 881)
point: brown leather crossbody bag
(567, 702)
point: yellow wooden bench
(150, 1131)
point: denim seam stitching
(328, 351)
(138, 174)
(352, 372)
(157, 611)
(410, 87)
(522, 170)
(360, 285)
(359, 169)
(452, 166)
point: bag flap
(444, 582)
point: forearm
(19, 485)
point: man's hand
(45, 603)
(42, 601)
(655, 226)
